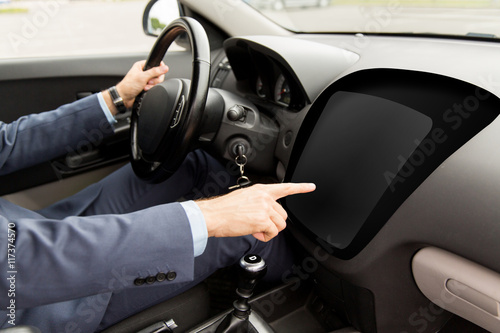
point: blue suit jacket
(65, 270)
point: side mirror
(158, 14)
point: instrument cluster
(277, 89)
(265, 75)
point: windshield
(478, 18)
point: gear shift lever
(241, 319)
(252, 269)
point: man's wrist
(117, 100)
(106, 108)
(109, 102)
(124, 91)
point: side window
(75, 27)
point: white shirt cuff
(109, 116)
(198, 226)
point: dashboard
(370, 134)
(283, 71)
(278, 78)
(394, 134)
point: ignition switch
(239, 146)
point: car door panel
(36, 85)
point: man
(121, 245)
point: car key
(241, 160)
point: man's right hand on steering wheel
(136, 81)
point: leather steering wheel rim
(177, 140)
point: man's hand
(252, 210)
(136, 81)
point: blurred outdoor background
(81, 27)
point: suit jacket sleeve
(40, 137)
(59, 260)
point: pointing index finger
(278, 191)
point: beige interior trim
(460, 286)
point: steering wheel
(166, 120)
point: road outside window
(476, 18)
(72, 27)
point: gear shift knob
(253, 268)
(252, 263)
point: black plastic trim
(430, 94)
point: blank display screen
(356, 143)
